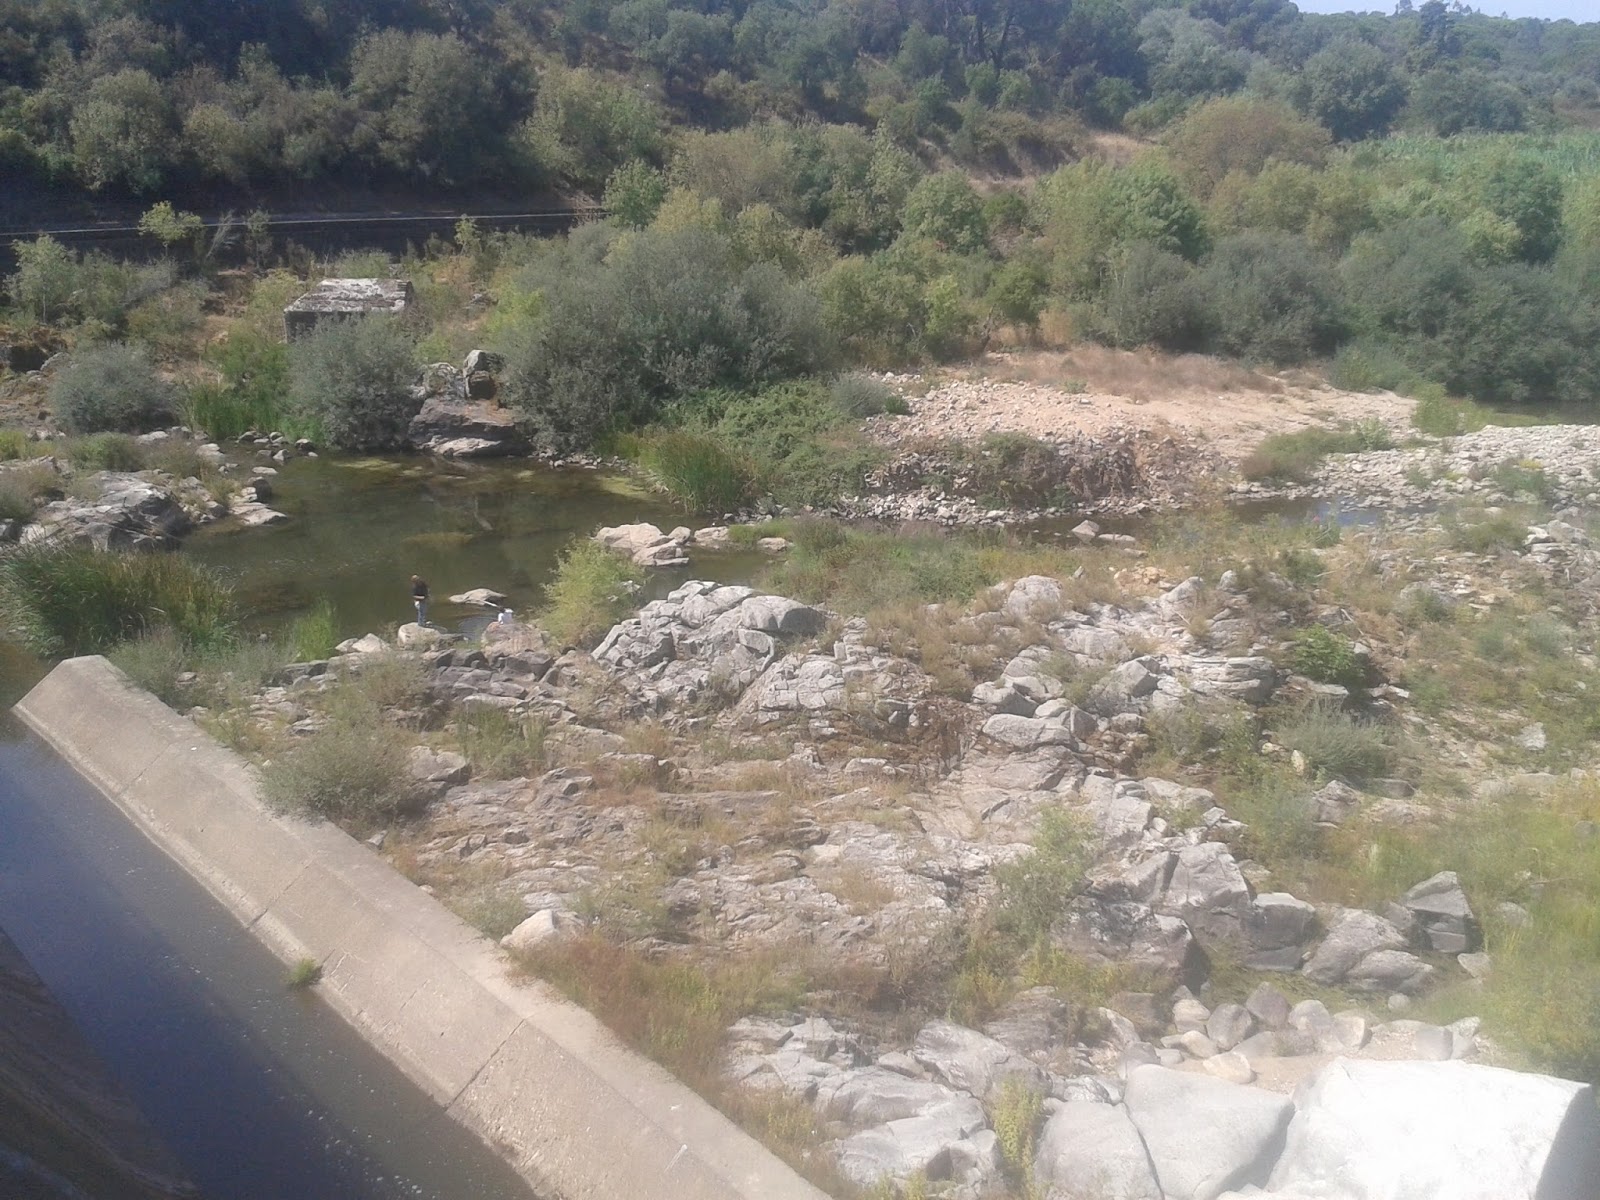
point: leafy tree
(1149, 299)
(1189, 57)
(1351, 88)
(45, 278)
(169, 226)
(945, 208)
(122, 132)
(353, 378)
(1453, 101)
(109, 387)
(666, 313)
(1017, 292)
(634, 193)
(583, 128)
(1240, 134)
(1526, 194)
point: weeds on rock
(354, 769)
(1017, 1117)
(304, 973)
(1337, 745)
(501, 745)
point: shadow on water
(261, 1093)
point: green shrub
(662, 316)
(1326, 657)
(1269, 296)
(314, 635)
(22, 489)
(592, 590)
(353, 769)
(1149, 298)
(858, 396)
(13, 445)
(1523, 479)
(1337, 745)
(700, 470)
(1294, 457)
(1369, 365)
(109, 387)
(1441, 415)
(303, 974)
(105, 452)
(501, 745)
(80, 601)
(1033, 892)
(1489, 533)
(353, 379)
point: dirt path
(1225, 407)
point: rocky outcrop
(456, 420)
(130, 513)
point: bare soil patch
(1096, 391)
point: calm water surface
(260, 1092)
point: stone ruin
(343, 299)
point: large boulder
(1209, 892)
(1089, 1149)
(129, 514)
(646, 545)
(1205, 1135)
(1355, 934)
(971, 1061)
(452, 424)
(951, 1141)
(876, 1096)
(1440, 1131)
(1126, 934)
(1250, 679)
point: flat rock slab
(1090, 1149)
(1205, 1135)
(1440, 1131)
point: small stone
(1232, 1066)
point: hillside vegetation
(798, 191)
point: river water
(261, 1093)
(361, 527)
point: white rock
(1440, 1131)
(1089, 1149)
(1205, 1135)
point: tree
(45, 279)
(1351, 88)
(1241, 134)
(1526, 194)
(354, 378)
(945, 208)
(169, 226)
(122, 132)
(1455, 100)
(634, 193)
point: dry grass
(1139, 375)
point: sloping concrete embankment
(579, 1115)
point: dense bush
(663, 315)
(592, 589)
(78, 601)
(700, 470)
(110, 387)
(353, 769)
(1270, 297)
(353, 379)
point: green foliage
(1149, 298)
(1033, 892)
(170, 226)
(1352, 89)
(1338, 745)
(1239, 135)
(946, 209)
(858, 396)
(109, 387)
(13, 445)
(45, 279)
(23, 489)
(501, 745)
(699, 470)
(353, 379)
(306, 972)
(1489, 533)
(314, 635)
(62, 602)
(1269, 296)
(664, 315)
(1294, 457)
(353, 769)
(1326, 657)
(592, 589)
(105, 452)
(634, 193)
(584, 127)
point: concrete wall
(577, 1113)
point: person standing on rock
(419, 597)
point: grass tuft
(305, 973)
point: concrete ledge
(540, 1080)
